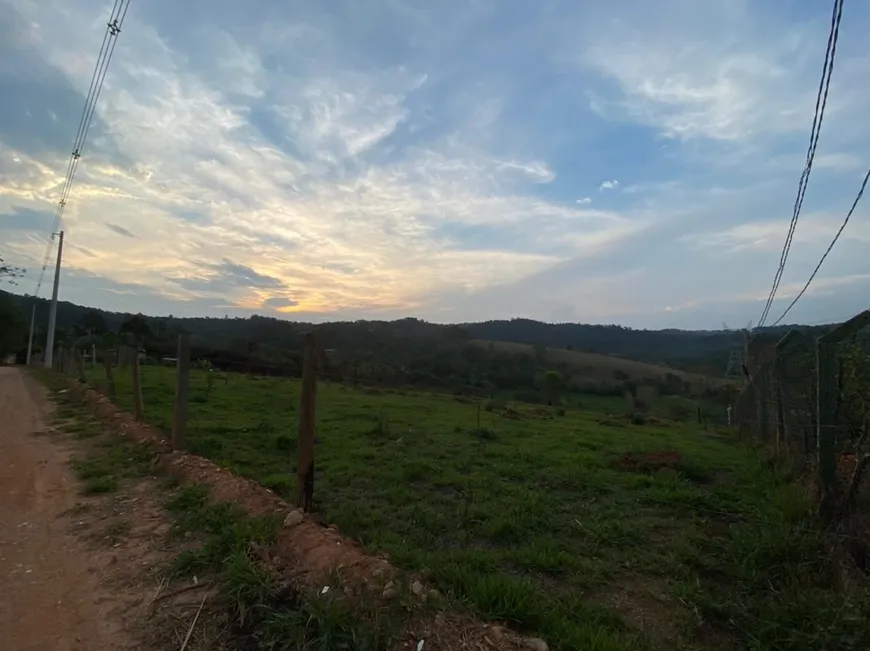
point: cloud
(227, 276)
(769, 235)
(410, 160)
(120, 230)
(278, 302)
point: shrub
(638, 418)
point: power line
(828, 250)
(818, 117)
(107, 49)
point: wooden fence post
(80, 365)
(307, 405)
(179, 423)
(137, 390)
(110, 378)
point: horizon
(289, 319)
(610, 163)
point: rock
(433, 595)
(293, 518)
(391, 590)
(497, 633)
(417, 588)
(535, 644)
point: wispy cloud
(409, 160)
(120, 230)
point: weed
(281, 483)
(227, 530)
(494, 515)
(485, 434)
(100, 484)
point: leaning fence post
(179, 423)
(137, 389)
(307, 405)
(110, 378)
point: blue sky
(607, 162)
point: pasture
(575, 525)
(600, 367)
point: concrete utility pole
(30, 338)
(48, 355)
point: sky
(617, 161)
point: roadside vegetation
(213, 546)
(589, 525)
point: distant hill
(702, 351)
(596, 366)
(403, 341)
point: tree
(13, 327)
(553, 383)
(136, 328)
(8, 273)
(92, 324)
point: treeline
(407, 351)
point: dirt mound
(315, 550)
(513, 414)
(307, 552)
(648, 462)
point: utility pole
(30, 338)
(48, 355)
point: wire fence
(807, 400)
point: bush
(560, 411)
(638, 418)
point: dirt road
(49, 584)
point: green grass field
(531, 517)
(599, 367)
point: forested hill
(701, 350)
(267, 337)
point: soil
(642, 605)
(648, 462)
(76, 573)
(84, 573)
